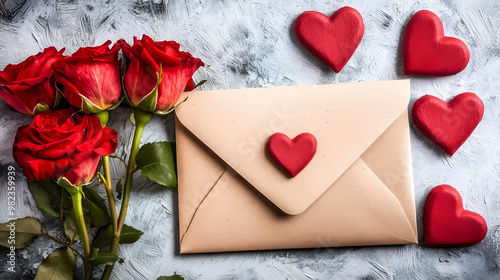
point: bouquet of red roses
(68, 143)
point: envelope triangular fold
(358, 210)
(345, 119)
(389, 157)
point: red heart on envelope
(448, 125)
(426, 51)
(292, 155)
(331, 39)
(447, 224)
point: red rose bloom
(91, 78)
(63, 143)
(29, 87)
(157, 73)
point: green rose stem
(108, 185)
(109, 191)
(76, 197)
(141, 118)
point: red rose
(29, 87)
(63, 143)
(157, 73)
(91, 78)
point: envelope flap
(345, 119)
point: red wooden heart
(292, 155)
(447, 224)
(331, 39)
(448, 125)
(426, 51)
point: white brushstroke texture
(251, 44)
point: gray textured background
(251, 44)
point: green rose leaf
(60, 265)
(41, 107)
(88, 107)
(94, 203)
(119, 187)
(24, 230)
(132, 115)
(156, 162)
(130, 235)
(71, 226)
(148, 103)
(104, 236)
(173, 277)
(94, 253)
(47, 196)
(107, 258)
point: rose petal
(87, 52)
(14, 101)
(140, 80)
(62, 165)
(84, 172)
(97, 81)
(41, 64)
(93, 134)
(170, 48)
(174, 80)
(169, 56)
(30, 94)
(39, 169)
(108, 143)
(146, 57)
(190, 85)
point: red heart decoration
(331, 39)
(448, 125)
(447, 224)
(426, 51)
(292, 155)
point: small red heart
(331, 39)
(426, 51)
(292, 155)
(447, 224)
(448, 125)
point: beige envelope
(357, 190)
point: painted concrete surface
(251, 44)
